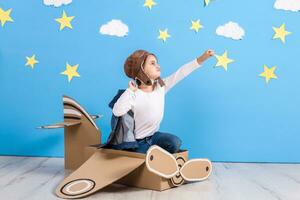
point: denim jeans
(169, 142)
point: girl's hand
(207, 54)
(132, 86)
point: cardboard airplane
(94, 167)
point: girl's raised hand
(209, 53)
(205, 55)
(132, 86)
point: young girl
(146, 97)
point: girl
(145, 96)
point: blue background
(224, 116)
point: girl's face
(151, 67)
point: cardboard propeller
(164, 164)
(96, 168)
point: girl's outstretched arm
(185, 70)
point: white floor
(36, 178)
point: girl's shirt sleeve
(180, 74)
(125, 102)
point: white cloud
(114, 28)
(290, 5)
(57, 3)
(231, 30)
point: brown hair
(133, 67)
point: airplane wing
(59, 125)
(102, 169)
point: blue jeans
(167, 141)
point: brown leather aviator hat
(134, 68)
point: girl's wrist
(205, 56)
(200, 60)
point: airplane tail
(80, 131)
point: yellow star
(31, 61)
(65, 21)
(281, 33)
(196, 25)
(149, 3)
(223, 60)
(206, 2)
(163, 35)
(268, 73)
(5, 16)
(71, 71)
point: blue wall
(223, 115)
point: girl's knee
(177, 144)
(167, 141)
(173, 145)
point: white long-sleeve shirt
(148, 107)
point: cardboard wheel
(78, 187)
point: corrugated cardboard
(101, 169)
(80, 131)
(96, 168)
(142, 177)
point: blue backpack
(122, 129)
